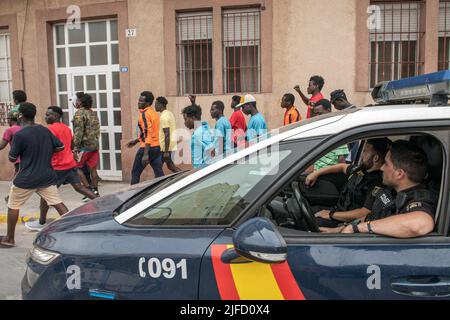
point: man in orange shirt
(291, 115)
(150, 150)
(315, 87)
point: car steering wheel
(305, 209)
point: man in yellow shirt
(167, 137)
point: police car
(221, 233)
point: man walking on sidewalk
(19, 97)
(86, 127)
(291, 114)
(8, 136)
(149, 151)
(238, 123)
(35, 145)
(63, 163)
(167, 135)
(202, 141)
(257, 125)
(223, 130)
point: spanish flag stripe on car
(253, 281)
(286, 282)
(223, 274)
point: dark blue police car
(242, 228)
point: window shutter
(5, 67)
(444, 19)
(4, 45)
(195, 26)
(241, 27)
(399, 22)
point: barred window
(4, 109)
(5, 68)
(242, 50)
(444, 35)
(194, 51)
(395, 43)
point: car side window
(316, 202)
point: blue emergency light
(432, 87)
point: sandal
(5, 244)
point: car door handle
(422, 286)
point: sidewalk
(70, 197)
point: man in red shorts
(86, 127)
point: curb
(21, 220)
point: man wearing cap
(257, 125)
(338, 99)
(238, 123)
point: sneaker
(85, 199)
(35, 225)
(95, 191)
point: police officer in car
(361, 180)
(406, 208)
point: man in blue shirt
(202, 141)
(223, 129)
(257, 125)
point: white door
(107, 105)
(86, 60)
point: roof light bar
(434, 87)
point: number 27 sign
(130, 33)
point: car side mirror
(257, 240)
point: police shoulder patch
(413, 205)
(376, 190)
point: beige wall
(309, 37)
(303, 47)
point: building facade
(215, 49)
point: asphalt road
(12, 260)
(12, 263)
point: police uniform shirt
(387, 202)
(360, 184)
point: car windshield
(153, 189)
(220, 197)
